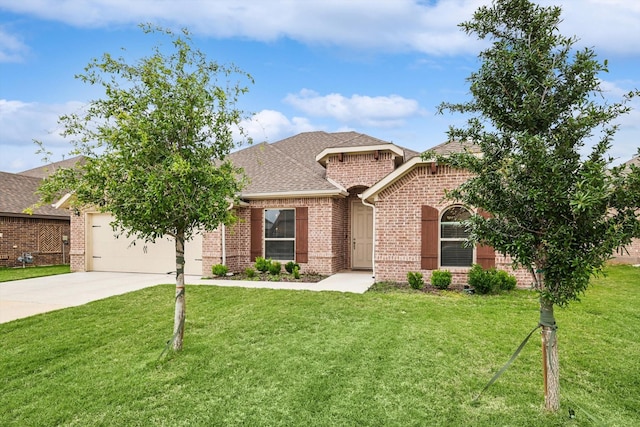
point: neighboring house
(44, 234)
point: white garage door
(106, 252)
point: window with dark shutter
(256, 233)
(429, 238)
(302, 234)
(279, 234)
(453, 237)
(485, 255)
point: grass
(259, 357)
(8, 274)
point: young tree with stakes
(156, 148)
(536, 102)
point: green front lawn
(258, 357)
(7, 274)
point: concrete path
(23, 298)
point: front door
(361, 236)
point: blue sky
(379, 67)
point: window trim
(452, 239)
(266, 239)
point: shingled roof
(46, 170)
(289, 165)
(19, 193)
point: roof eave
(35, 216)
(362, 149)
(294, 194)
(370, 194)
(64, 202)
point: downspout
(373, 247)
(224, 245)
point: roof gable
(289, 166)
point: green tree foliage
(544, 128)
(156, 146)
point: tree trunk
(550, 362)
(180, 309)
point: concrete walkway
(23, 298)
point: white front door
(361, 236)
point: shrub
(262, 265)
(274, 268)
(219, 270)
(250, 272)
(483, 281)
(290, 266)
(441, 279)
(415, 279)
(506, 281)
(296, 272)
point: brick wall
(326, 230)
(398, 224)
(42, 238)
(78, 242)
(631, 256)
(356, 170)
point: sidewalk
(23, 298)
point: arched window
(453, 236)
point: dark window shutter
(302, 234)
(485, 255)
(429, 237)
(256, 233)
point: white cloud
(24, 122)
(378, 111)
(381, 25)
(11, 48)
(271, 125)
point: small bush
(296, 272)
(219, 270)
(274, 268)
(250, 272)
(290, 266)
(262, 265)
(415, 279)
(506, 281)
(441, 279)
(483, 281)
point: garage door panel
(110, 253)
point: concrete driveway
(23, 298)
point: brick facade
(630, 256)
(398, 224)
(78, 242)
(326, 236)
(359, 170)
(42, 238)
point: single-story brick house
(329, 201)
(44, 234)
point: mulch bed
(266, 277)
